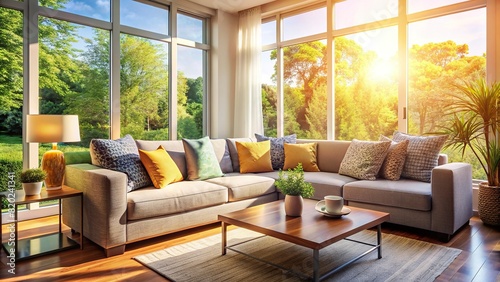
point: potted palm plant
(291, 183)
(474, 124)
(32, 180)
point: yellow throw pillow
(160, 167)
(254, 156)
(301, 153)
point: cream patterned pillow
(363, 159)
(422, 156)
(395, 160)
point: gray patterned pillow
(121, 155)
(201, 160)
(395, 160)
(363, 159)
(277, 148)
(422, 156)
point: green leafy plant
(291, 182)
(33, 175)
(474, 124)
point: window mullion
(403, 67)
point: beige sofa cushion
(233, 151)
(329, 153)
(324, 183)
(175, 198)
(176, 150)
(245, 186)
(404, 193)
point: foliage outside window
(367, 97)
(74, 73)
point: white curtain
(248, 99)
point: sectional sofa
(114, 218)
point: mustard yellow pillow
(161, 168)
(254, 156)
(301, 153)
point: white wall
(223, 68)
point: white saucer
(320, 207)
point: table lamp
(53, 129)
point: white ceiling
(232, 6)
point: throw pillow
(161, 167)
(254, 156)
(277, 148)
(121, 155)
(363, 159)
(422, 156)
(392, 167)
(201, 160)
(301, 153)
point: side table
(44, 244)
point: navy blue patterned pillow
(277, 148)
(121, 155)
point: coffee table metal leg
(316, 265)
(224, 237)
(379, 240)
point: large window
(305, 90)
(190, 93)
(366, 96)
(386, 71)
(442, 55)
(100, 10)
(143, 88)
(191, 80)
(356, 12)
(304, 24)
(269, 93)
(74, 73)
(116, 76)
(132, 13)
(11, 95)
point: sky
(154, 19)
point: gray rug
(402, 259)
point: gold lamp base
(53, 164)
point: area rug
(403, 259)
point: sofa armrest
(451, 187)
(104, 200)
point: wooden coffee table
(312, 230)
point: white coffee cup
(334, 204)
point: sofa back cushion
(233, 151)
(175, 149)
(329, 154)
(223, 156)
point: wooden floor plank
(479, 260)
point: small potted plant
(32, 180)
(291, 183)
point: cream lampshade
(53, 129)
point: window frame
(277, 13)
(31, 10)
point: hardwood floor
(479, 260)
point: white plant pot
(32, 188)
